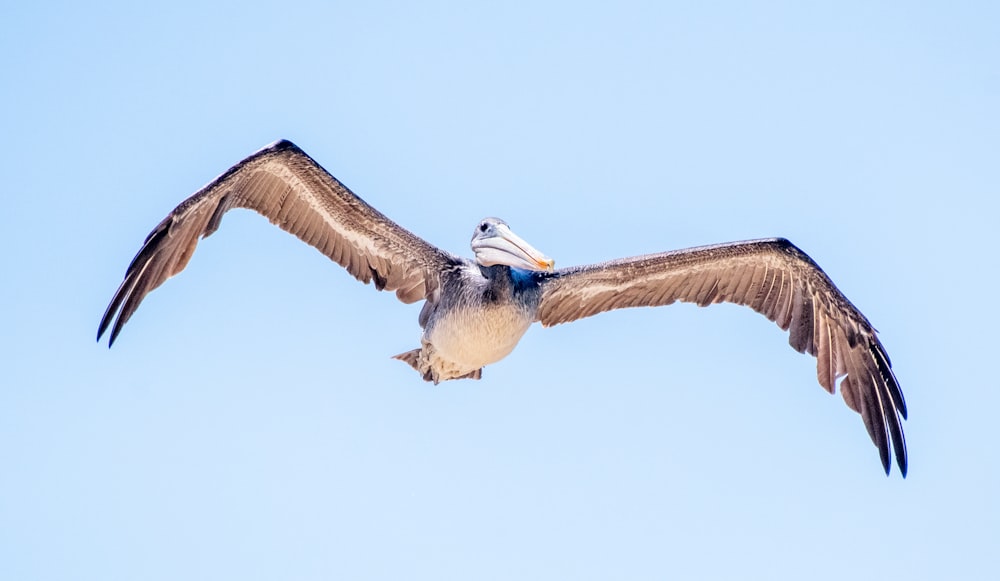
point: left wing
(774, 278)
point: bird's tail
(412, 357)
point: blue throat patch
(523, 279)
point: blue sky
(249, 423)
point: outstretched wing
(295, 193)
(774, 278)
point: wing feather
(774, 278)
(296, 194)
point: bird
(475, 311)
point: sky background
(250, 424)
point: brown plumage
(476, 311)
(284, 184)
(774, 278)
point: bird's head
(494, 243)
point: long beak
(510, 249)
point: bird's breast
(471, 337)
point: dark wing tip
(279, 145)
(899, 445)
(883, 454)
(895, 404)
(111, 311)
(109, 315)
(125, 301)
(103, 326)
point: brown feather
(296, 194)
(774, 278)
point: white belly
(466, 340)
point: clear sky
(250, 424)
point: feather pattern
(774, 278)
(476, 312)
(295, 193)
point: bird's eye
(484, 227)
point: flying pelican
(475, 311)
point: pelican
(476, 311)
